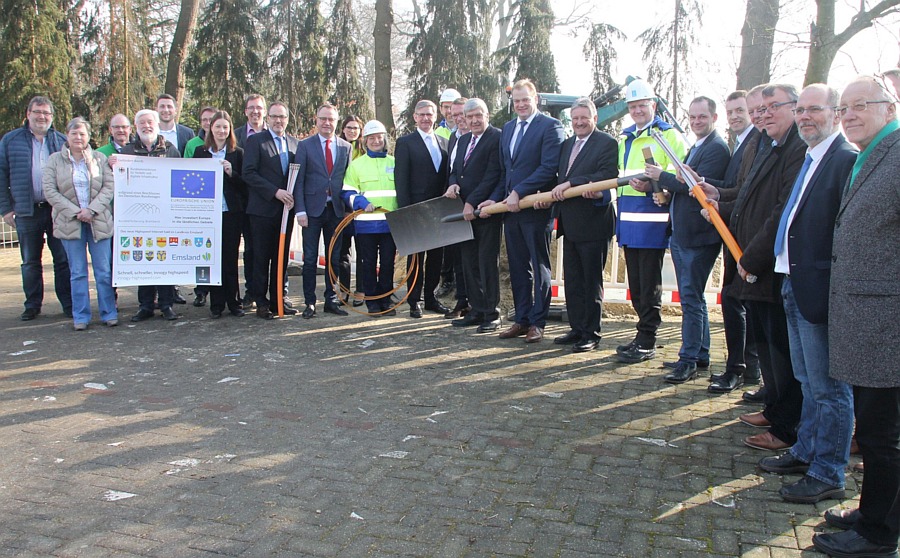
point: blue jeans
(323, 225)
(692, 268)
(31, 232)
(100, 261)
(826, 419)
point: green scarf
(861, 158)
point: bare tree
(184, 33)
(757, 41)
(384, 21)
(825, 42)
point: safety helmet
(449, 95)
(638, 90)
(373, 127)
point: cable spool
(412, 270)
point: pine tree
(530, 51)
(226, 64)
(452, 49)
(341, 62)
(36, 59)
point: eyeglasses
(773, 107)
(122, 127)
(813, 110)
(42, 112)
(861, 106)
(278, 116)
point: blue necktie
(689, 160)
(282, 153)
(792, 201)
(435, 153)
(519, 137)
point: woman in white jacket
(79, 185)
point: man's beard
(148, 139)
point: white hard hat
(449, 95)
(373, 127)
(638, 90)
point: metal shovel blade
(418, 227)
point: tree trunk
(758, 38)
(184, 32)
(384, 22)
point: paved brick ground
(362, 437)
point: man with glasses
(863, 328)
(753, 219)
(120, 135)
(266, 159)
(255, 110)
(23, 154)
(323, 159)
(803, 255)
(421, 174)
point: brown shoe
(534, 335)
(765, 441)
(756, 420)
(515, 330)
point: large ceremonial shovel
(547, 197)
(700, 195)
(293, 171)
(422, 226)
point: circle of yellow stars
(187, 190)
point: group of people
(808, 306)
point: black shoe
(461, 309)
(358, 303)
(309, 311)
(783, 464)
(470, 319)
(178, 298)
(200, 300)
(636, 354)
(142, 315)
(626, 348)
(415, 311)
(168, 313)
(758, 396)
(751, 379)
(215, 314)
(487, 327)
(30, 314)
(290, 311)
(809, 491)
(703, 364)
(264, 313)
(842, 519)
(682, 373)
(585, 345)
(436, 306)
(237, 312)
(247, 302)
(569, 338)
(850, 544)
(388, 311)
(725, 383)
(334, 308)
(288, 303)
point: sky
(874, 50)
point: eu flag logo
(193, 184)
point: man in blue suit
(803, 255)
(323, 159)
(266, 158)
(529, 157)
(695, 244)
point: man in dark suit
(255, 109)
(474, 177)
(862, 315)
(529, 157)
(452, 276)
(695, 243)
(266, 160)
(742, 365)
(420, 174)
(323, 159)
(750, 218)
(803, 255)
(586, 224)
(169, 128)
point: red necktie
(329, 160)
(470, 150)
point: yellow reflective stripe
(350, 188)
(644, 217)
